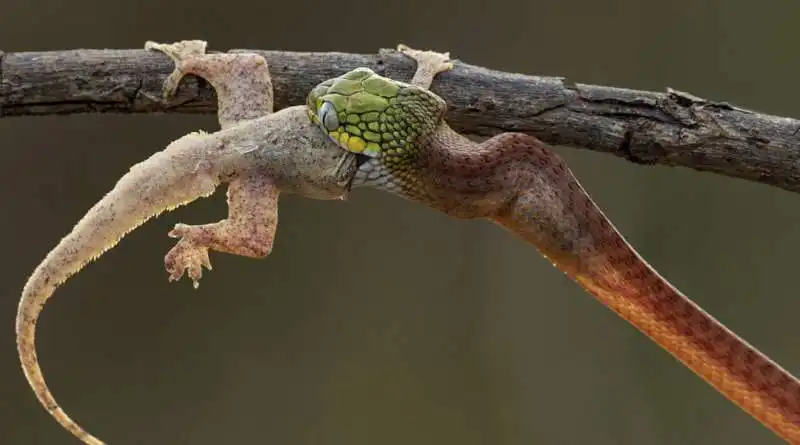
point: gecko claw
(187, 256)
(180, 53)
(437, 62)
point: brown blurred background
(376, 321)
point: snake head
(372, 115)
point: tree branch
(671, 128)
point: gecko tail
(188, 169)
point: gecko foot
(180, 53)
(241, 80)
(248, 231)
(188, 255)
(430, 61)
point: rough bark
(670, 128)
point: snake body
(516, 181)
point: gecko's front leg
(249, 229)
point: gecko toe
(178, 231)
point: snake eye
(327, 116)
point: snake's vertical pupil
(327, 115)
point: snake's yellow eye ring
(328, 117)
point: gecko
(257, 153)
(516, 181)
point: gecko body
(257, 153)
(519, 183)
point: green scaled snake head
(374, 116)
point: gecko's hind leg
(429, 64)
(249, 229)
(241, 80)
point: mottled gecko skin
(516, 181)
(257, 152)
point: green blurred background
(376, 321)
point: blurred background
(376, 320)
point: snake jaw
(314, 118)
(361, 159)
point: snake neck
(401, 173)
(443, 170)
(398, 178)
